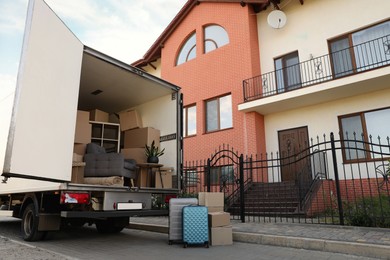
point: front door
(295, 163)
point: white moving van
(59, 77)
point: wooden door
(295, 163)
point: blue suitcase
(195, 226)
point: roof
(154, 51)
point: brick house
(262, 89)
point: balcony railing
(356, 59)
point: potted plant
(153, 152)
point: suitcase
(175, 217)
(195, 225)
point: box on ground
(215, 208)
(98, 115)
(138, 138)
(130, 120)
(219, 219)
(211, 199)
(221, 236)
(138, 154)
(83, 128)
(166, 178)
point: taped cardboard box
(219, 219)
(130, 120)
(211, 199)
(166, 178)
(220, 236)
(79, 149)
(78, 172)
(83, 128)
(215, 208)
(138, 154)
(138, 138)
(98, 115)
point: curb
(351, 248)
(149, 227)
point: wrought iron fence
(359, 58)
(328, 187)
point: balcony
(367, 56)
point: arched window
(214, 37)
(188, 50)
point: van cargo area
(73, 151)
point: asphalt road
(86, 243)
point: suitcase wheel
(206, 244)
(185, 245)
(170, 242)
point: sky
(123, 29)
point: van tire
(29, 226)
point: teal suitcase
(195, 226)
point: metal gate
(225, 169)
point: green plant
(369, 212)
(153, 150)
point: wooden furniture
(106, 135)
(145, 173)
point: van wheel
(30, 223)
(112, 225)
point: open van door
(45, 105)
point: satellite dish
(277, 19)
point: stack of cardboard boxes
(220, 230)
(135, 137)
(82, 138)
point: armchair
(98, 163)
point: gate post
(336, 176)
(208, 175)
(242, 191)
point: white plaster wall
(154, 71)
(161, 114)
(323, 119)
(310, 25)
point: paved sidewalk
(361, 241)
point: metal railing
(327, 188)
(356, 59)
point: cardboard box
(138, 138)
(215, 209)
(166, 177)
(78, 172)
(130, 120)
(98, 115)
(219, 219)
(83, 128)
(221, 236)
(211, 199)
(79, 149)
(138, 154)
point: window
(288, 74)
(219, 113)
(191, 178)
(189, 121)
(361, 50)
(360, 133)
(214, 37)
(188, 50)
(220, 175)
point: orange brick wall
(217, 73)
